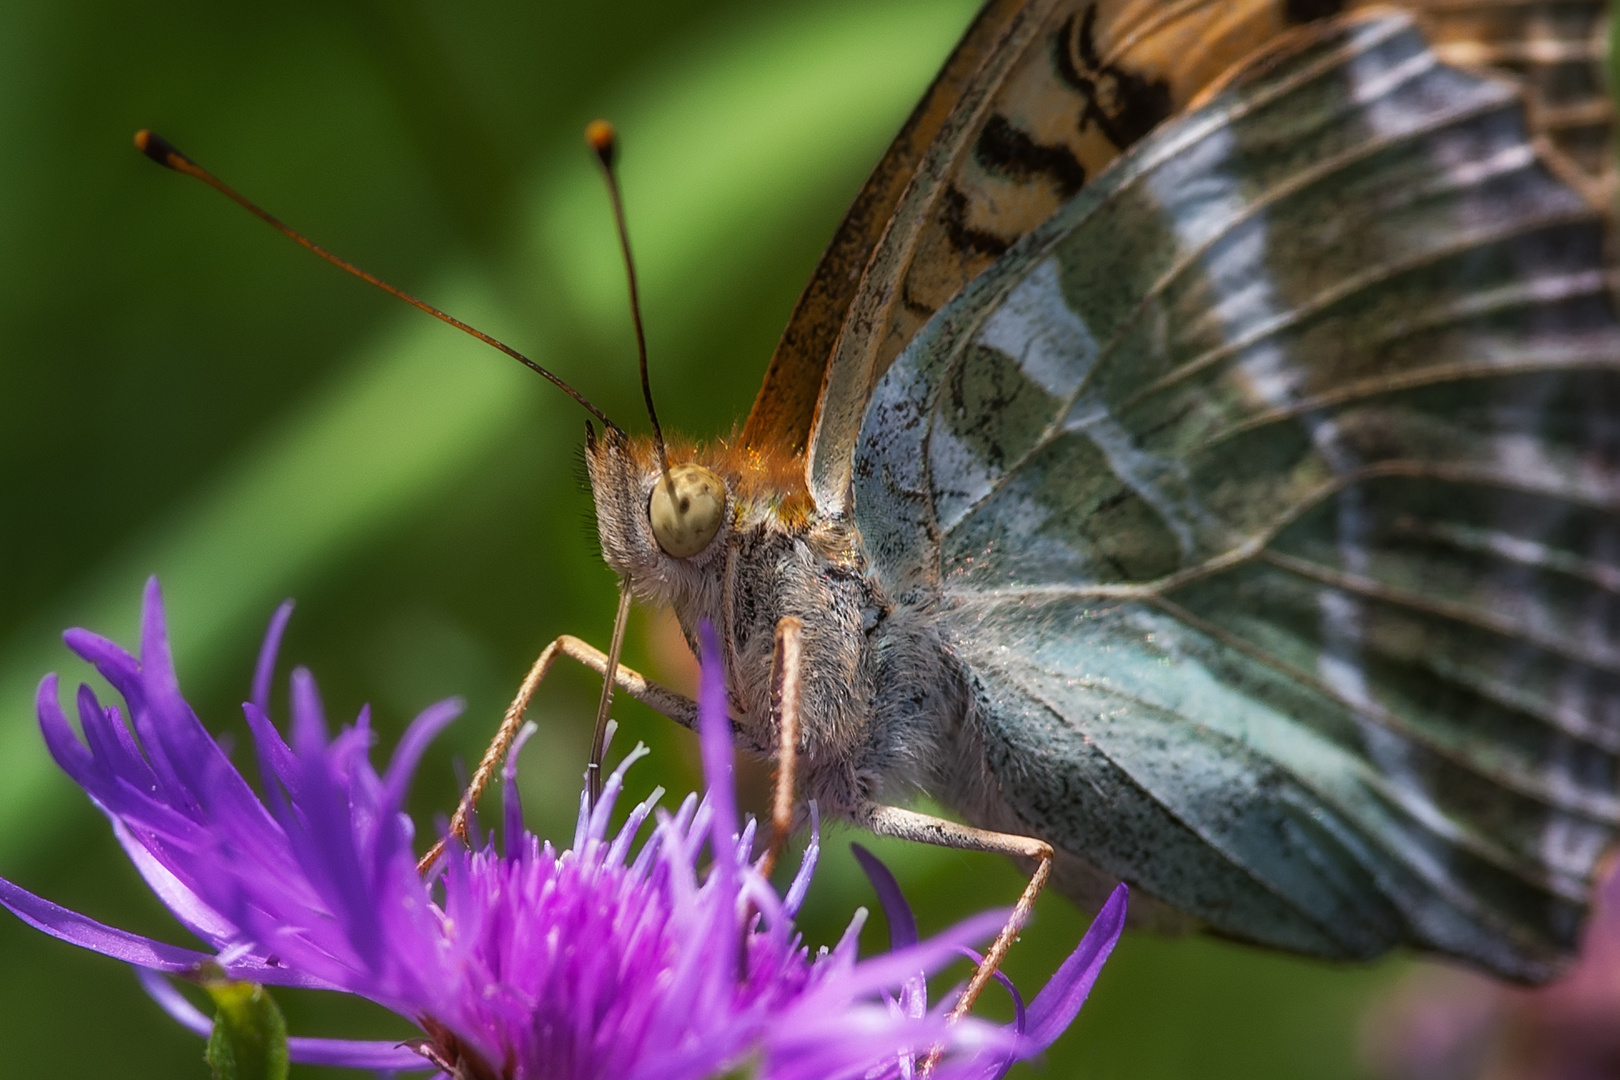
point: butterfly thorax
(775, 555)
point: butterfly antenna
(164, 153)
(600, 137)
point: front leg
(656, 696)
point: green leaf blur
(182, 392)
(249, 1041)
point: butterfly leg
(656, 696)
(927, 829)
(785, 712)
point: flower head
(667, 959)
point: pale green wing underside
(1268, 493)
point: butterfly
(1194, 462)
(1196, 450)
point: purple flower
(608, 959)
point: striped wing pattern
(1069, 87)
(1042, 96)
(1560, 49)
(1268, 493)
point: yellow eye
(686, 509)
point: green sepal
(749, 1068)
(249, 1041)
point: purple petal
(85, 932)
(110, 742)
(308, 717)
(265, 670)
(326, 847)
(181, 750)
(902, 928)
(423, 730)
(106, 656)
(794, 897)
(849, 943)
(1020, 1019)
(602, 814)
(619, 850)
(184, 904)
(157, 661)
(174, 1003)
(892, 969)
(349, 753)
(64, 746)
(511, 800)
(278, 767)
(355, 1054)
(1000, 977)
(824, 1046)
(1056, 1006)
(902, 923)
(124, 672)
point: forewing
(1268, 492)
(1038, 98)
(786, 404)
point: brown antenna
(600, 137)
(164, 153)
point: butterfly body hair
(881, 693)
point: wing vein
(1427, 813)
(1599, 356)
(1300, 182)
(1450, 610)
(1299, 311)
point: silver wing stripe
(1221, 208)
(1410, 803)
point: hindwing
(1269, 492)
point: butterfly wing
(1039, 97)
(785, 408)
(1560, 50)
(1269, 492)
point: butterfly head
(667, 533)
(660, 533)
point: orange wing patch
(785, 407)
(1096, 79)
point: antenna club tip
(158, 148)
(603, 140)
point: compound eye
(686, 509)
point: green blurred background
(182, 392)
